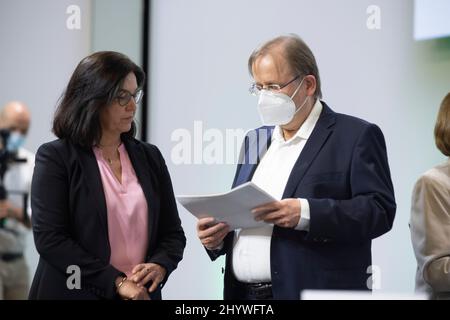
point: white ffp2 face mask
(276, 108)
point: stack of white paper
(233, 207)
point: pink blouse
(127, 213)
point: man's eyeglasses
(255, 89)
(124, 96)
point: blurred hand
(145, 272)
(5, 205)
(284, 213)
(130, 290)
(211, 233)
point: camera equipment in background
(6, 159)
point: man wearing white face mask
(18, 164)
(331, 176)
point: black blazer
(70, 219)
(344, 174)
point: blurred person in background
(16, 170)
(430, 217)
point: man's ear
(311, 85)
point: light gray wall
(38, 53)
(199, 52)
(117, 26)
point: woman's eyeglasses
(124, 96)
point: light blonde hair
(442, 127)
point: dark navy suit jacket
(344, 174)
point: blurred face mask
(276, 108)
(15, 141)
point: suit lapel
(256, 144)
(319, 136)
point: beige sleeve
(430, 231)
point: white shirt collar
(306, 128)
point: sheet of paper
(233, 207)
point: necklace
(108, 159)
(108, 146)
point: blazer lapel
(318, 137)
(256, 143)
(93, 183)
(141, 166)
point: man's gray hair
(296, 53)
